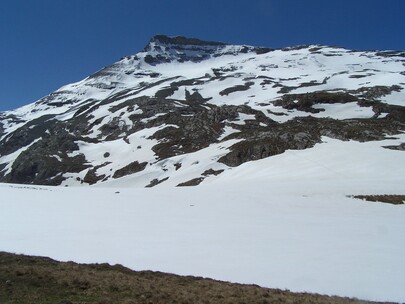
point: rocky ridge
(184, 110)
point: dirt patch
(130, 169)
(304, 102)
(191, 182)
(212, 172)
(155, 182)
(388, 199)
(400, 147)
(241, 87)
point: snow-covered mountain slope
(279, 141)
(287, 221)
(184, 111)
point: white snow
(228, 130)
(395, 98)
(284, 222)
(343, 111)
(291, 68)
(192, 166)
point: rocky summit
(183, 111)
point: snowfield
(286, 221)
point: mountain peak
(185, 110)
(181, 40)
(163, 48)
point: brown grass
(26, 279)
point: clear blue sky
(45, 44)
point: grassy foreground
(27, 279)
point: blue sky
(45, 44)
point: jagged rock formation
(184, 110)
